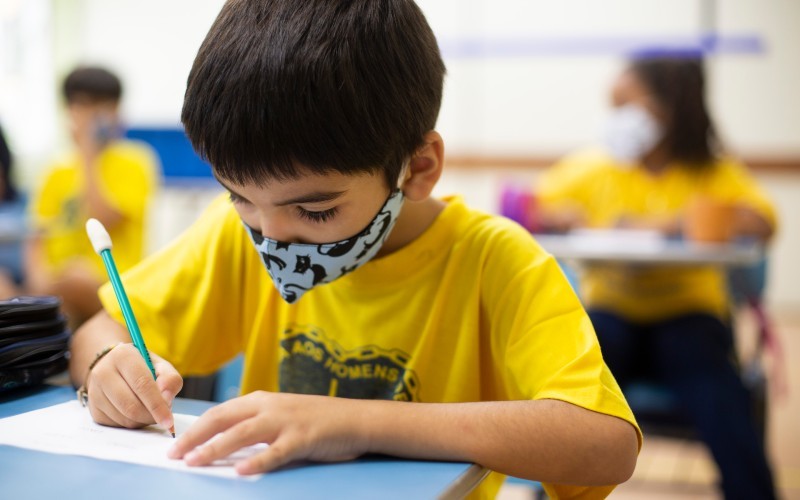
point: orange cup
(707, 220)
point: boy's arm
(75, 284)
(97, 205)
(95, 335)
(749, 222)
(33, 262)
(544, 440)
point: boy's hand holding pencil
(123, 390)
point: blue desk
(33, 474)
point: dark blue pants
(692, 355)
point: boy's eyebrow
(230, 190)
(315, 197)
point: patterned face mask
(296, 268)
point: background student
(663, 156)
(105, 177)
(416, 312)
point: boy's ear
(425, 168)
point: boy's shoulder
(61, 170)
(581, 168)
(589, 160)
(220, 213)
(132, 151)
(491, 235)
(730, 166)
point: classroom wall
(542, 91)
(538, 89)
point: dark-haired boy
(446, 333)
(104, 177)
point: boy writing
(445, 333)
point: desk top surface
(627, 248)
(33, 474)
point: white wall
(756, 99)
(543, 104)
(537, 103)
(27, 76)
(151, 44)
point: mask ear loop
(405, 171)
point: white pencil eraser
(98, 235)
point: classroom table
(639, 248)
(32, 474)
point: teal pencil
(101, 241)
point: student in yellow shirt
(104, 177)
(443, 332)
(662, 154)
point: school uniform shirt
(126, 176)
(605, 191)
(471, 310)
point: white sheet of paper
(68, 428)
(620, 241)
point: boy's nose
(279, 229)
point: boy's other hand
(297, 427)
(122, 392)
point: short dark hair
(332, 85)
(92, 83)
(678, 84)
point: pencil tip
(173, 435)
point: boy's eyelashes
(320, 216)
(311, 215)
(235, 198)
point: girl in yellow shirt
(661, 154)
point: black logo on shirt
(313, 364)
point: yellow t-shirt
(472, 310)
(606, 191)
(127, 175)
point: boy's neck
(415, 217)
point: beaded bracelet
(83, 390)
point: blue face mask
(296, 268)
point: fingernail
(172, 452)
(167, 423)
(191, 457)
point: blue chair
(228, 380)
(218, 387)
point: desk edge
(465, 483)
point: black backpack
(34, 341)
